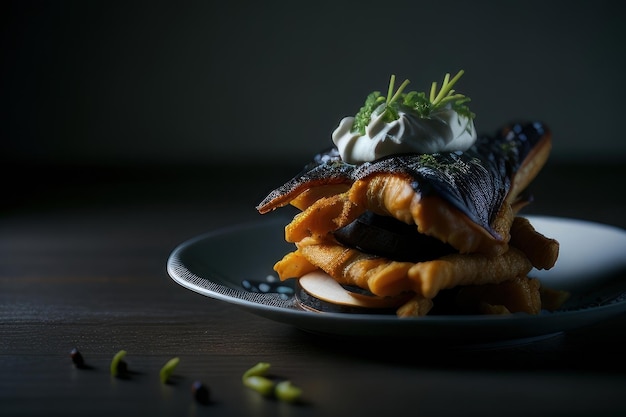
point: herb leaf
(362, 118)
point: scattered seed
(260, 384)
(255, 379)
(286, 391)
(168, 369)
(259, 369)
(200, 392)
(118, 365)
(77, 358)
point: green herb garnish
(416, 102)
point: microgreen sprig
(417, 102)
(447, 95)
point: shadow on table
(594, 349)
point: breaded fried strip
(520, 294)
(393, 195)
(542, 251)
(353, 267)
(474, 269)
(417, 306)
(293, 265)
(384, 277)
(322, 217)
(312, 195)
(552, 299)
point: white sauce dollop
(443, 131)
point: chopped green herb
(362, 118)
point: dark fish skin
(475, 181)
(326, 168)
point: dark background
(203, 82)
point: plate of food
(412, 225)
(234, 265)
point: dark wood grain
(82, 264)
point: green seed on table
(254, 378)
(286, 391)
(260, 384)
(259, 369)
(168, 369)
(118, 365)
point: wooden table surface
(83, 254)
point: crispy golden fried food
(384, 277)
(520, 294)
(393, 196)
(293, 265)
(552, 299)
(469, 202)
(415, 307)
(542, 251)
(311, 195)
